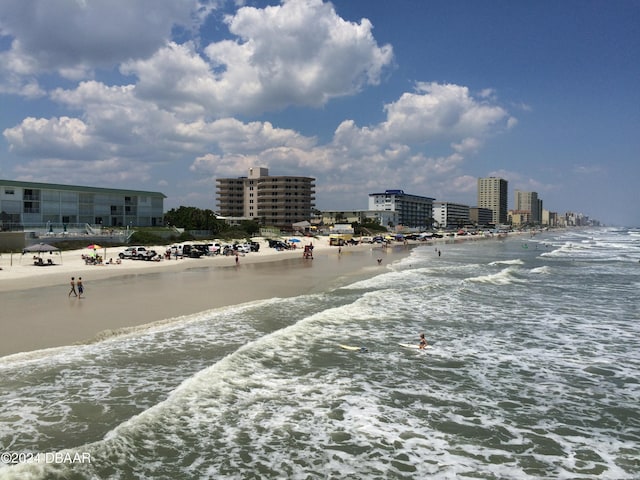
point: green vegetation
(146, 237)
(192, 218)
(368, 227)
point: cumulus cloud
(180, 103)
(441, 110)
(54, 35)
(118, 124)
(109, 171)
(298, 53)
(468, 144)
(74, 38)
(47, 137)
(423, 141)
(303, 49)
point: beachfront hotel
(25, 205)
(278, 201)
(492, 194)
(451, 215)
(413, 211)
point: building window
(9, 191)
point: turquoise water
(534, 373)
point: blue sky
(364, 95)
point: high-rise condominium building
(492, 194)
(529, 202)
(270, 200)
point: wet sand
(36, 313)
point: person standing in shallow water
(73, 287)
(80, 287)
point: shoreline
(38, 314)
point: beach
(532, 371)
(37, 312)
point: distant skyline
(424, 96)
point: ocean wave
(506, 276)
(516, 386)
(515, 261)
(544, 270)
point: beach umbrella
(295, 240)
(40, 247)
(94, 247)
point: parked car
(133, 253)
(242, 247)
(148, 255)
(214, 248)
(191, 251)
(203, 249)
(278, 245)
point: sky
(426, 96)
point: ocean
(533, 372)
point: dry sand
(36, 312)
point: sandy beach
(37, 312)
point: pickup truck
(137, 253)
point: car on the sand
(133, 253)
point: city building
(25, 205)
(332, 217)
(413, 211)
(519, 218)
(277, 201)
(492, 194)
(549, 218)
(480, 216)
(386, 218)
(529, 202)
(450, 215)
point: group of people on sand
(76, 284)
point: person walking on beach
(423, 342)
(73, 287)
(80, 287)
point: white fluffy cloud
(118, 124)
(299, 53)
(179, 104)
(55, 136)
(63, 35)
(74, 38)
